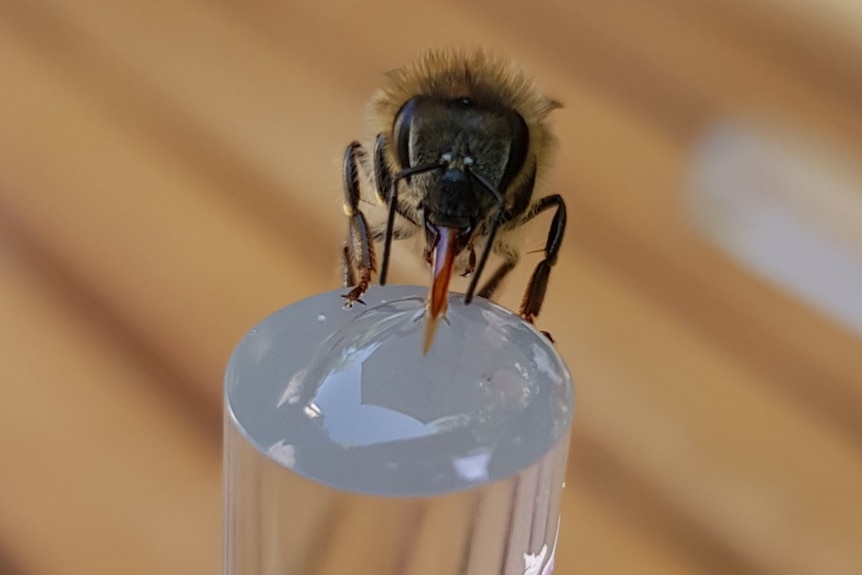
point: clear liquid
(346, 398)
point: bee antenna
(393, 207)
(407, 172)
(495, 225)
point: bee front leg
(531, 304)
(359, 256)
(347, 268)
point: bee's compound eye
(518, 147)
(401, 131)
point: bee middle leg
(493, 283)
(359, 257)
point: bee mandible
(456, 142)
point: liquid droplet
(489, 398)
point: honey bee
(456, 142)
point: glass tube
(348, 450)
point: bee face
(464, 138)
(456, 141)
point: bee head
(466, 141)
(466, 155)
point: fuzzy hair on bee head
(487, 79)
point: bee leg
(382, 175)
(531, 304)
(511, 220)
(348, 273)
(387, 194)
(500, 274)
(359, 247)
(360, 253)
(471, 262)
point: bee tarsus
(534, 296)
(359, 257)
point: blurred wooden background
(169, 176)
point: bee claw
(354, 296)
(531, 319)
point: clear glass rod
(349, 451)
